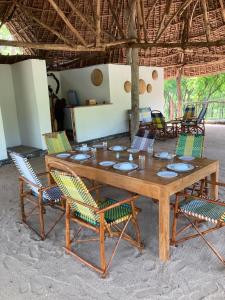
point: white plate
(125, 166)
(118, 148)
(164, 156)
(63, 155)
(180, 167)
(99, 146)
(186, 158)
(132, 150)
(167, 174)
(81, 156)
(81, 148)
(107, 163)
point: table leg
(164, 226)
(214, 177)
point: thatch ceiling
(187, 35)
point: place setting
(175, 169)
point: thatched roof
(173, 34)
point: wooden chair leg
(41, 217)
(102, 244)
(68, 241)
(174, 225)
(23, 215)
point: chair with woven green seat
(105, 218)
(57, 142)
(162, 128)
(197, 210)
(190, 145)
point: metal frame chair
(32, 190)
(102, 217)
(190, 145)
(197, 210)
(162, 128)
(57, 142)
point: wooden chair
(102, 217)
(196, 125)
(190, 145)
(162, 128)
(39, 196)
(57, 142)
(143, 139)
(196, 210)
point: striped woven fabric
(190, 145)
(74, 188)
(203, 210)
(158, 119)
(57, 142)
(189, 113)
(25, 170)
(143, 139)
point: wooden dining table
(145, 182)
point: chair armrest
(217, 202)
(43, 173)
(127, 200)
(43, 189)
(91, 189)
(216, 183)
(82, 203)
(27, 181)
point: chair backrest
(144, 114)
(143, 139)
(74, 188)
(57, 142)
(26, 171)
(189, 112)
(190, 145)
(158, 119)
(202, 113)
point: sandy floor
(32, 269)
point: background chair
(196, 125)
(190, 145)
(196, 210)
(162, 128)
(38, 195)
(143, 139)
(57, 142)
(103, 217)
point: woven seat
(203, 210)
(31, 186)
(162, 128)
(102, 217)
(57, 142)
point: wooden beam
(80, 15)
(179, 93)
(98, 24)
(165, 14)
(67, 22)
(9, 11)
(178, 12)
(206, 19)
(222, 9)
(50, 47)
(116, 19)
(143, 20)
(150, 10)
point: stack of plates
(118, 148)
(180, 167)
(81, 156)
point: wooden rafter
(116, 19)
(67, 22)
(9, 11)
(206, 19)
(150, 10)
(50, 47)
(222, 9)
(162, 21)
(98, 24)
(143, 20)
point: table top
(146, 178)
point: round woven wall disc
(96, 77)
(154, 75)
(127, 86)
(142, 86)
(149, 88)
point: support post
(179, 93)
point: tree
(6, 50)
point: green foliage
(6, 50)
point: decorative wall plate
(142, 86)
(127, 86)
(96, 77)
(149, 88)
(155, 75)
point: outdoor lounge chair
(197, 210)
(196, 125)
(102, 217)
(162, 128)
(57, 142)
(39, 196)
(143, 139)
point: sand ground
(33, 269)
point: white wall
(31, 92)
(8, 107)
(80, 80)
(3, 152)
